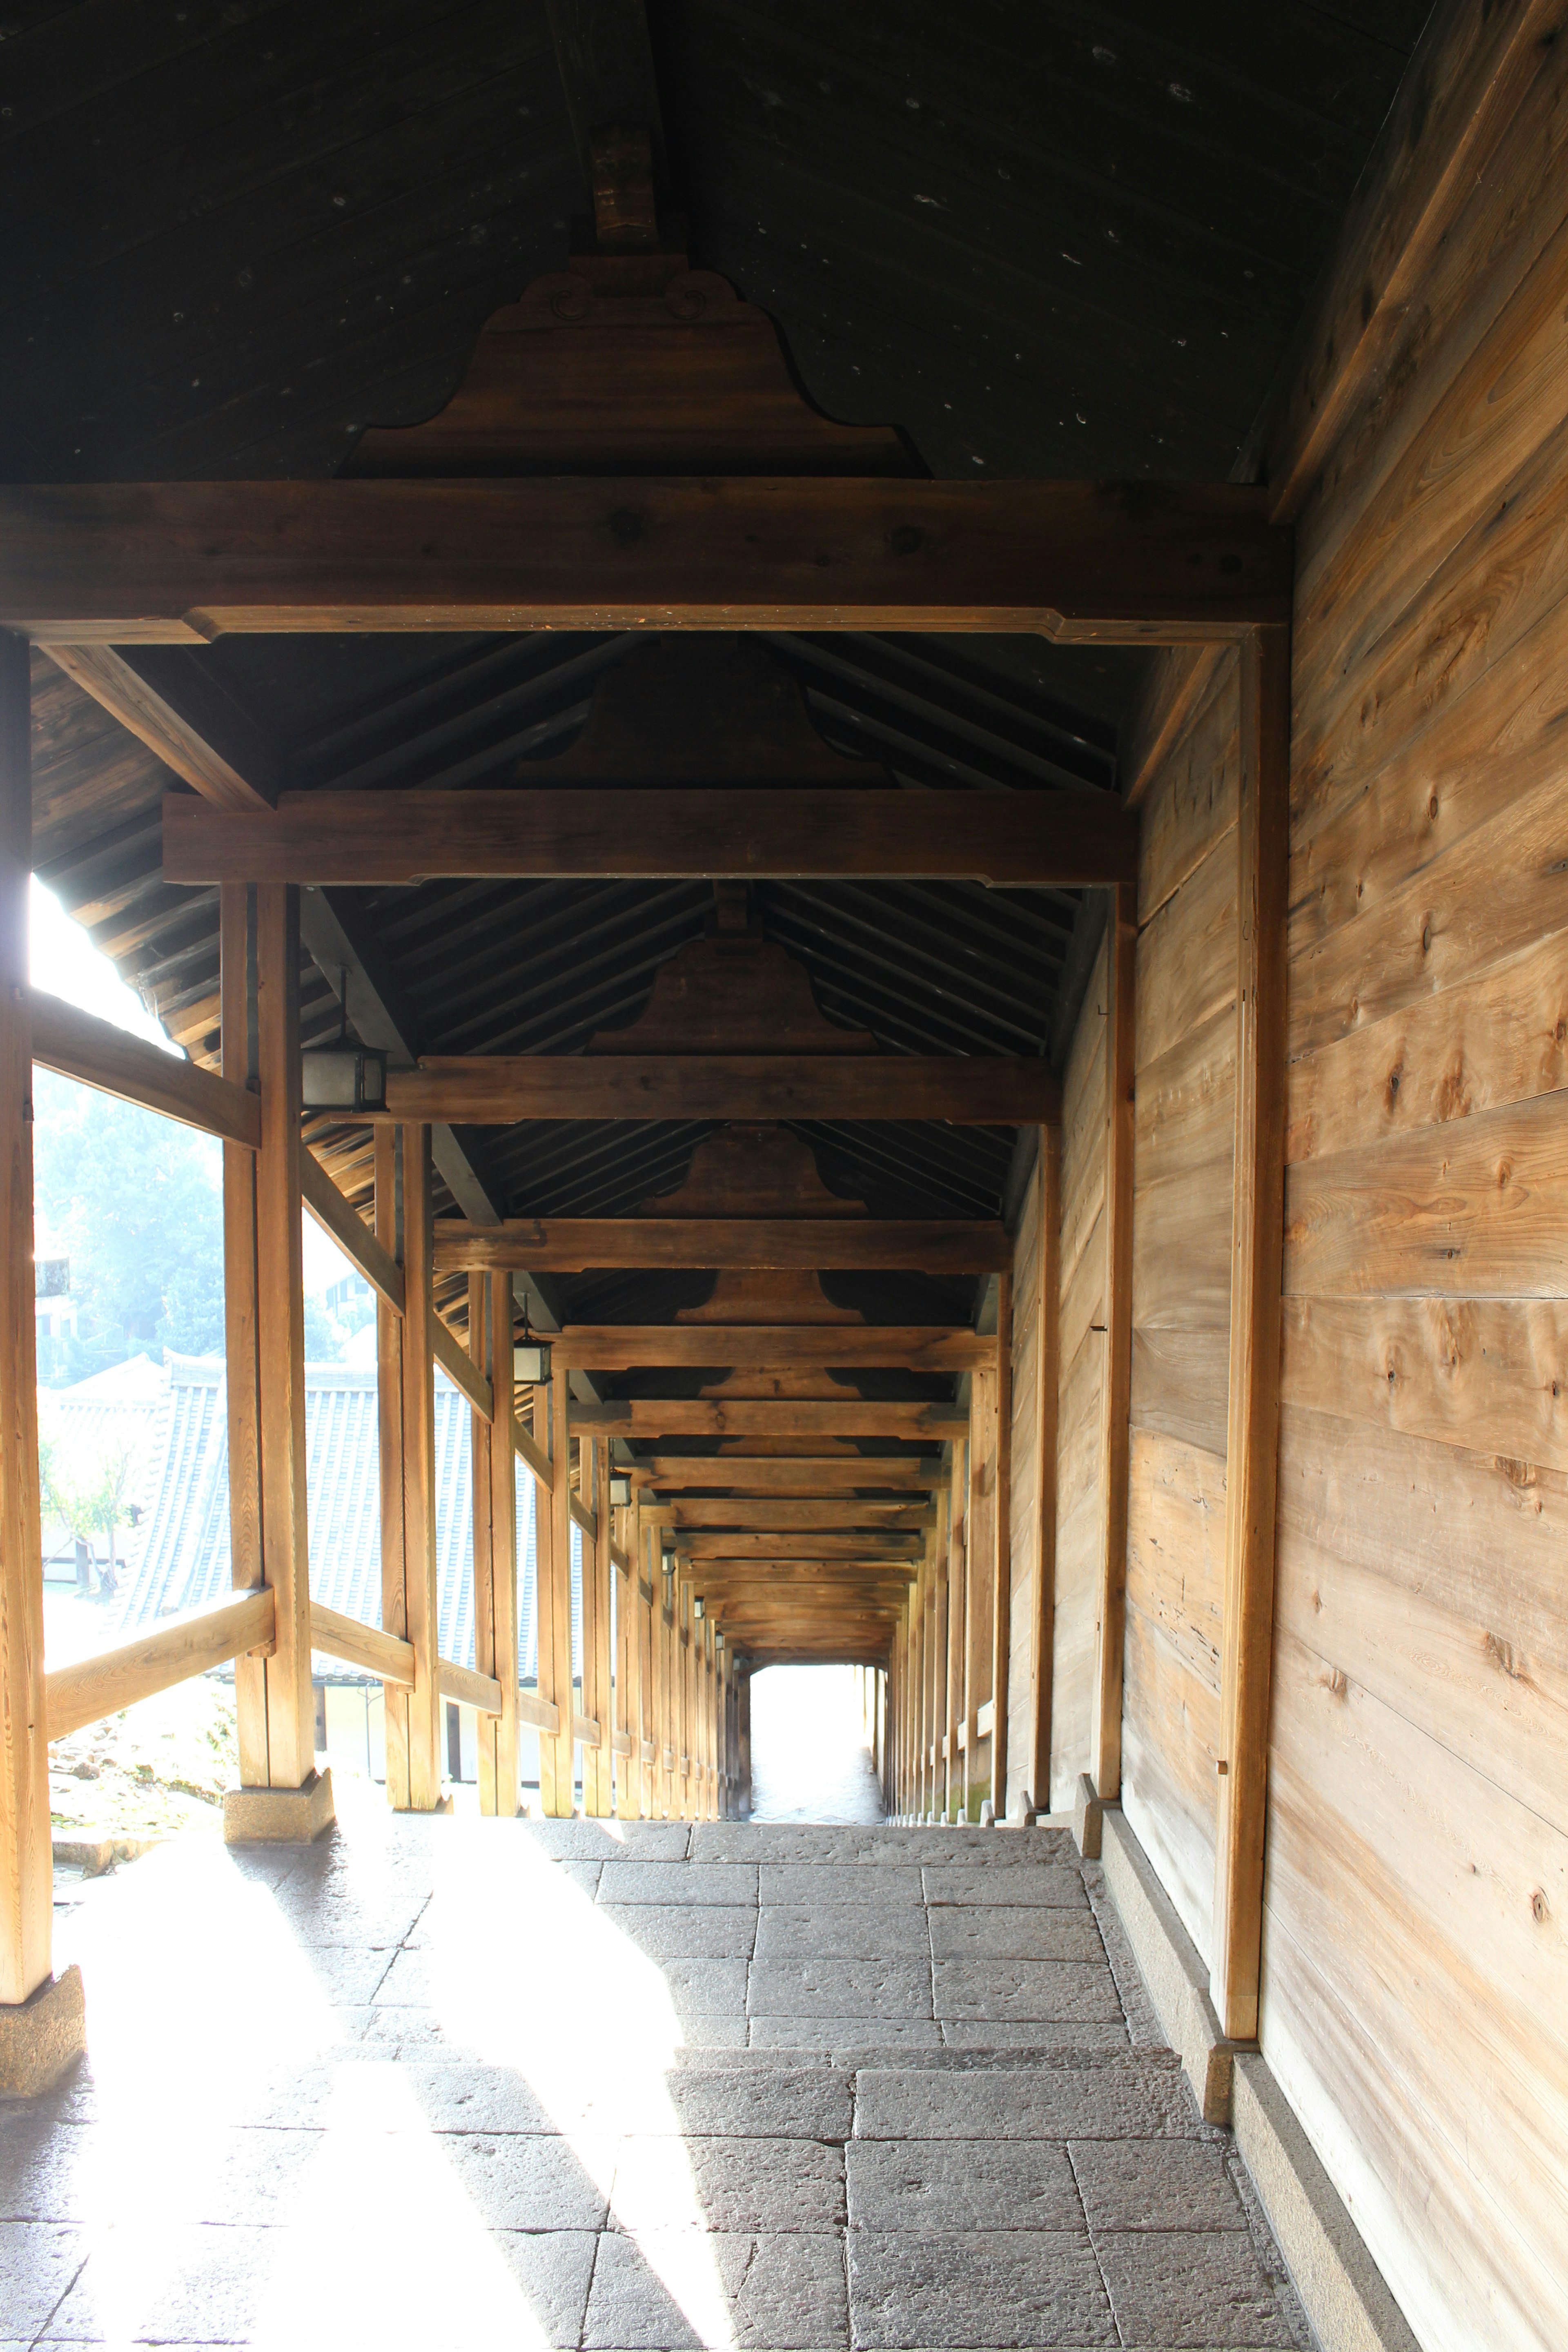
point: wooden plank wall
(1183, 1158)
(1080, 1513)
(1416, 1934)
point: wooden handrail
(384, 1654)
(541, 1714)
(529, 1451)
(586, 1519)
(95, 1053)
(468, 1688)
(585, 1727)
(342, 1222)
(621, 1743)
(172, 1653)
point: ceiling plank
(501, 1089)
(1015, 840)
(571, 1245)
(180, 563)
(765, 1346)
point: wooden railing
(165, 1655)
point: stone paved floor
(446, 2082)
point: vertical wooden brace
(1105, 1726)
(421, 1590)
(1257, 1246)
(1048, 1376)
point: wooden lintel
(157, 1658)
(571, 1244)
(779, 1513)
(771, 1474)
(761, 1345)
(767, 1417)
(1034, 840)
(499, 1091)
(95, 1053)
(342, 1222)
(864, 1545)
(182, 563)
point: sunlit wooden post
(237, 1005)
(495, 1537)
(421, 1590)
(631, 1775)
(389, 1422)
(599, 1686)
(41, 2018)
(556, 1774)
(295, 1802)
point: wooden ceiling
(1057, 241)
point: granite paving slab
(678, 1885)
(962, 2185)
(1050, 1991)
(1033, 2287)
(1138, 2096)
(687, 1931)
(1009, 1931)
(781, 2292)
(836, 1885)
(729, 2184)
(1188, 2288)
(1140, 2184)
(841, 1931)
(1048, 1883)
(831, 1987)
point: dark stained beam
(571, 1245)
(1013, 840)
(769, 1417)
(181, 562)
(481, 1090)
(785, 1514)
(775, 1474)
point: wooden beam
(1111, 1603)
(159, 1656)
(461, 1367)
(748, 1346)
(342, 1222)
(1033, 840)
(573, 1245)
(133, 685)
(1257, 1242)
(182, 562)
(529, 1451)
(27, 1878)
(281, 1341)
(788, 1515)
(468, 1688)
(766, 1417)
(96, 1054)
(775, 1474)
(495, 1090)
(361, 1645)
(539, 1714)
(241, 1363)
(862, 1544)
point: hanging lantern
(620, 1488)
(531, 1356)
(342, 1076)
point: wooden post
(389, 1406)
(1256, 1244)
(236, 1008)
(664, 1719)
(1001, 1603)
(1048, 1377)
(421, 1587)
(743, 1737)
(631, 1616)
(980, 1530)
(1105, 1721)
(598, 1652)
(495, 1538)
(294, 1803)
(556, 1774)
(25, 1856)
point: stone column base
(42, 2036)
(279, 1816)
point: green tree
(136, 1201)
(85, 1491)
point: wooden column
(1257, 1242)
(1047, 1378)
(420, 1585)
(556, 1773)
(980, 1585)
(664, 1719)
(1110, 1612)
(495, 1511)
(281, 1340)
(631, 1773)
(237, 1018)
(26, 1855)
(389, 1406)
(744, 1736)
(1002, 1604)
(598, 1652)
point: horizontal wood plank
(571, 1245)
(481, 1090)
(183, 562)
(1034, 840)
(768, 1417)
(468, 1688)
(96, 1054)
(788, 1474)
(622, 1348)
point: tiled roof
(182, 1551)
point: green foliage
(137, 1202)
(85, 1491)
